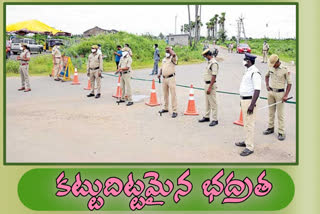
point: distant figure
(94, 70)
(99, 50)
(118, 55)
(231, 47)
(24, 68)
(265, 49)
(56, 54)
(156, 58)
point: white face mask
(244, 62)
(125, 53)
(58, 47)
(168, 55)
(21, 48)
(93, 50)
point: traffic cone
(191, 110)
(119, 91)
(153, 97)
(89, 85)
(75, 78)
(240, 121)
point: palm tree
(190, 41)
(215, 21)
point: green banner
(159, 189)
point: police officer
(169, 81)
(24, 68)
(125, 80)
(265, 49)
(129, 49)
(156, 58)
(56, 54)
(210, 88)
(277, 91)
(249, 93)
(94, 70)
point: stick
(273, 104)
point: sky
(153, 19)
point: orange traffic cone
(119, 91)
(75, 78)
(89, 85)
(153, 97)
(240, 121)
(191, 110)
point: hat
(95, 46)
(273, 59)
(205, 51)
(250, 57)
(99, 45)
(125, 49)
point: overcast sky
(158, 18)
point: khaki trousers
(94, 77)
(169, 85)
(57, 68)
(211, 102)
(265, 56)
(24, 73)
(274, 97)
(248, 123)
(125, 84)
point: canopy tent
(32, 26)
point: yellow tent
(31, 26)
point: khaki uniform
(211, 101)
(248, 123)
(125, 81)
(278, 77)
(94, 69)
(57, 62)
(265, 49)
(24, 69)
(169, 83)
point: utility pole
(175, 25)
(241, 29)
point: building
(96, 31)
(178, 39)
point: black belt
(246, 97)
(125, 72)
(171, 75)
(277, 90)
(208, 82)
(94, 68)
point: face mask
(58, 47)
(21, 48)
(93, 50)
(125, 53)
(168, 55)
(244, 62)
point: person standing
(125, 80)
(56, 54)
(210, 88)
(276, 79)
(156, 58)
(24, 68)
(168, 73)
(94, 70)
(129, 49)
(118, 55)
(249, 93)
(231, 47)
(265, 50)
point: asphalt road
(56, 122)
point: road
(56, 122)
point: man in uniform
(210, 88)
(56, 54)
(156, 58)
(249, 93)
(169, 81)
(125, 80)
(129, 49)
(94, 70)
(24, 68)
(265, 49)
(279, 76)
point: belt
(171, 75)
(208, 82)
(125, 72)
(246, 97)
(277, 90)
(94, 68)
(25, 64)
(58, 57)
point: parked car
(243, 48)
(33, 47)
(8, 49)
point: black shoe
(57, 79)
(281, 137)
(214, 123)
(174, 115)
(90, 95)
(121, 101)
(163, 111)
(246, 152)
(268, 131)
(98, 96)
(204, 119)
(240, 144)
(129, 103)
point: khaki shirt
(95, 62)
(278, 77)
(168, 66)
(56, 52)
(211, 69)
(125, 62)
(265, 47)
(24, 54)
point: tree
(161, 36)
(190, 41)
